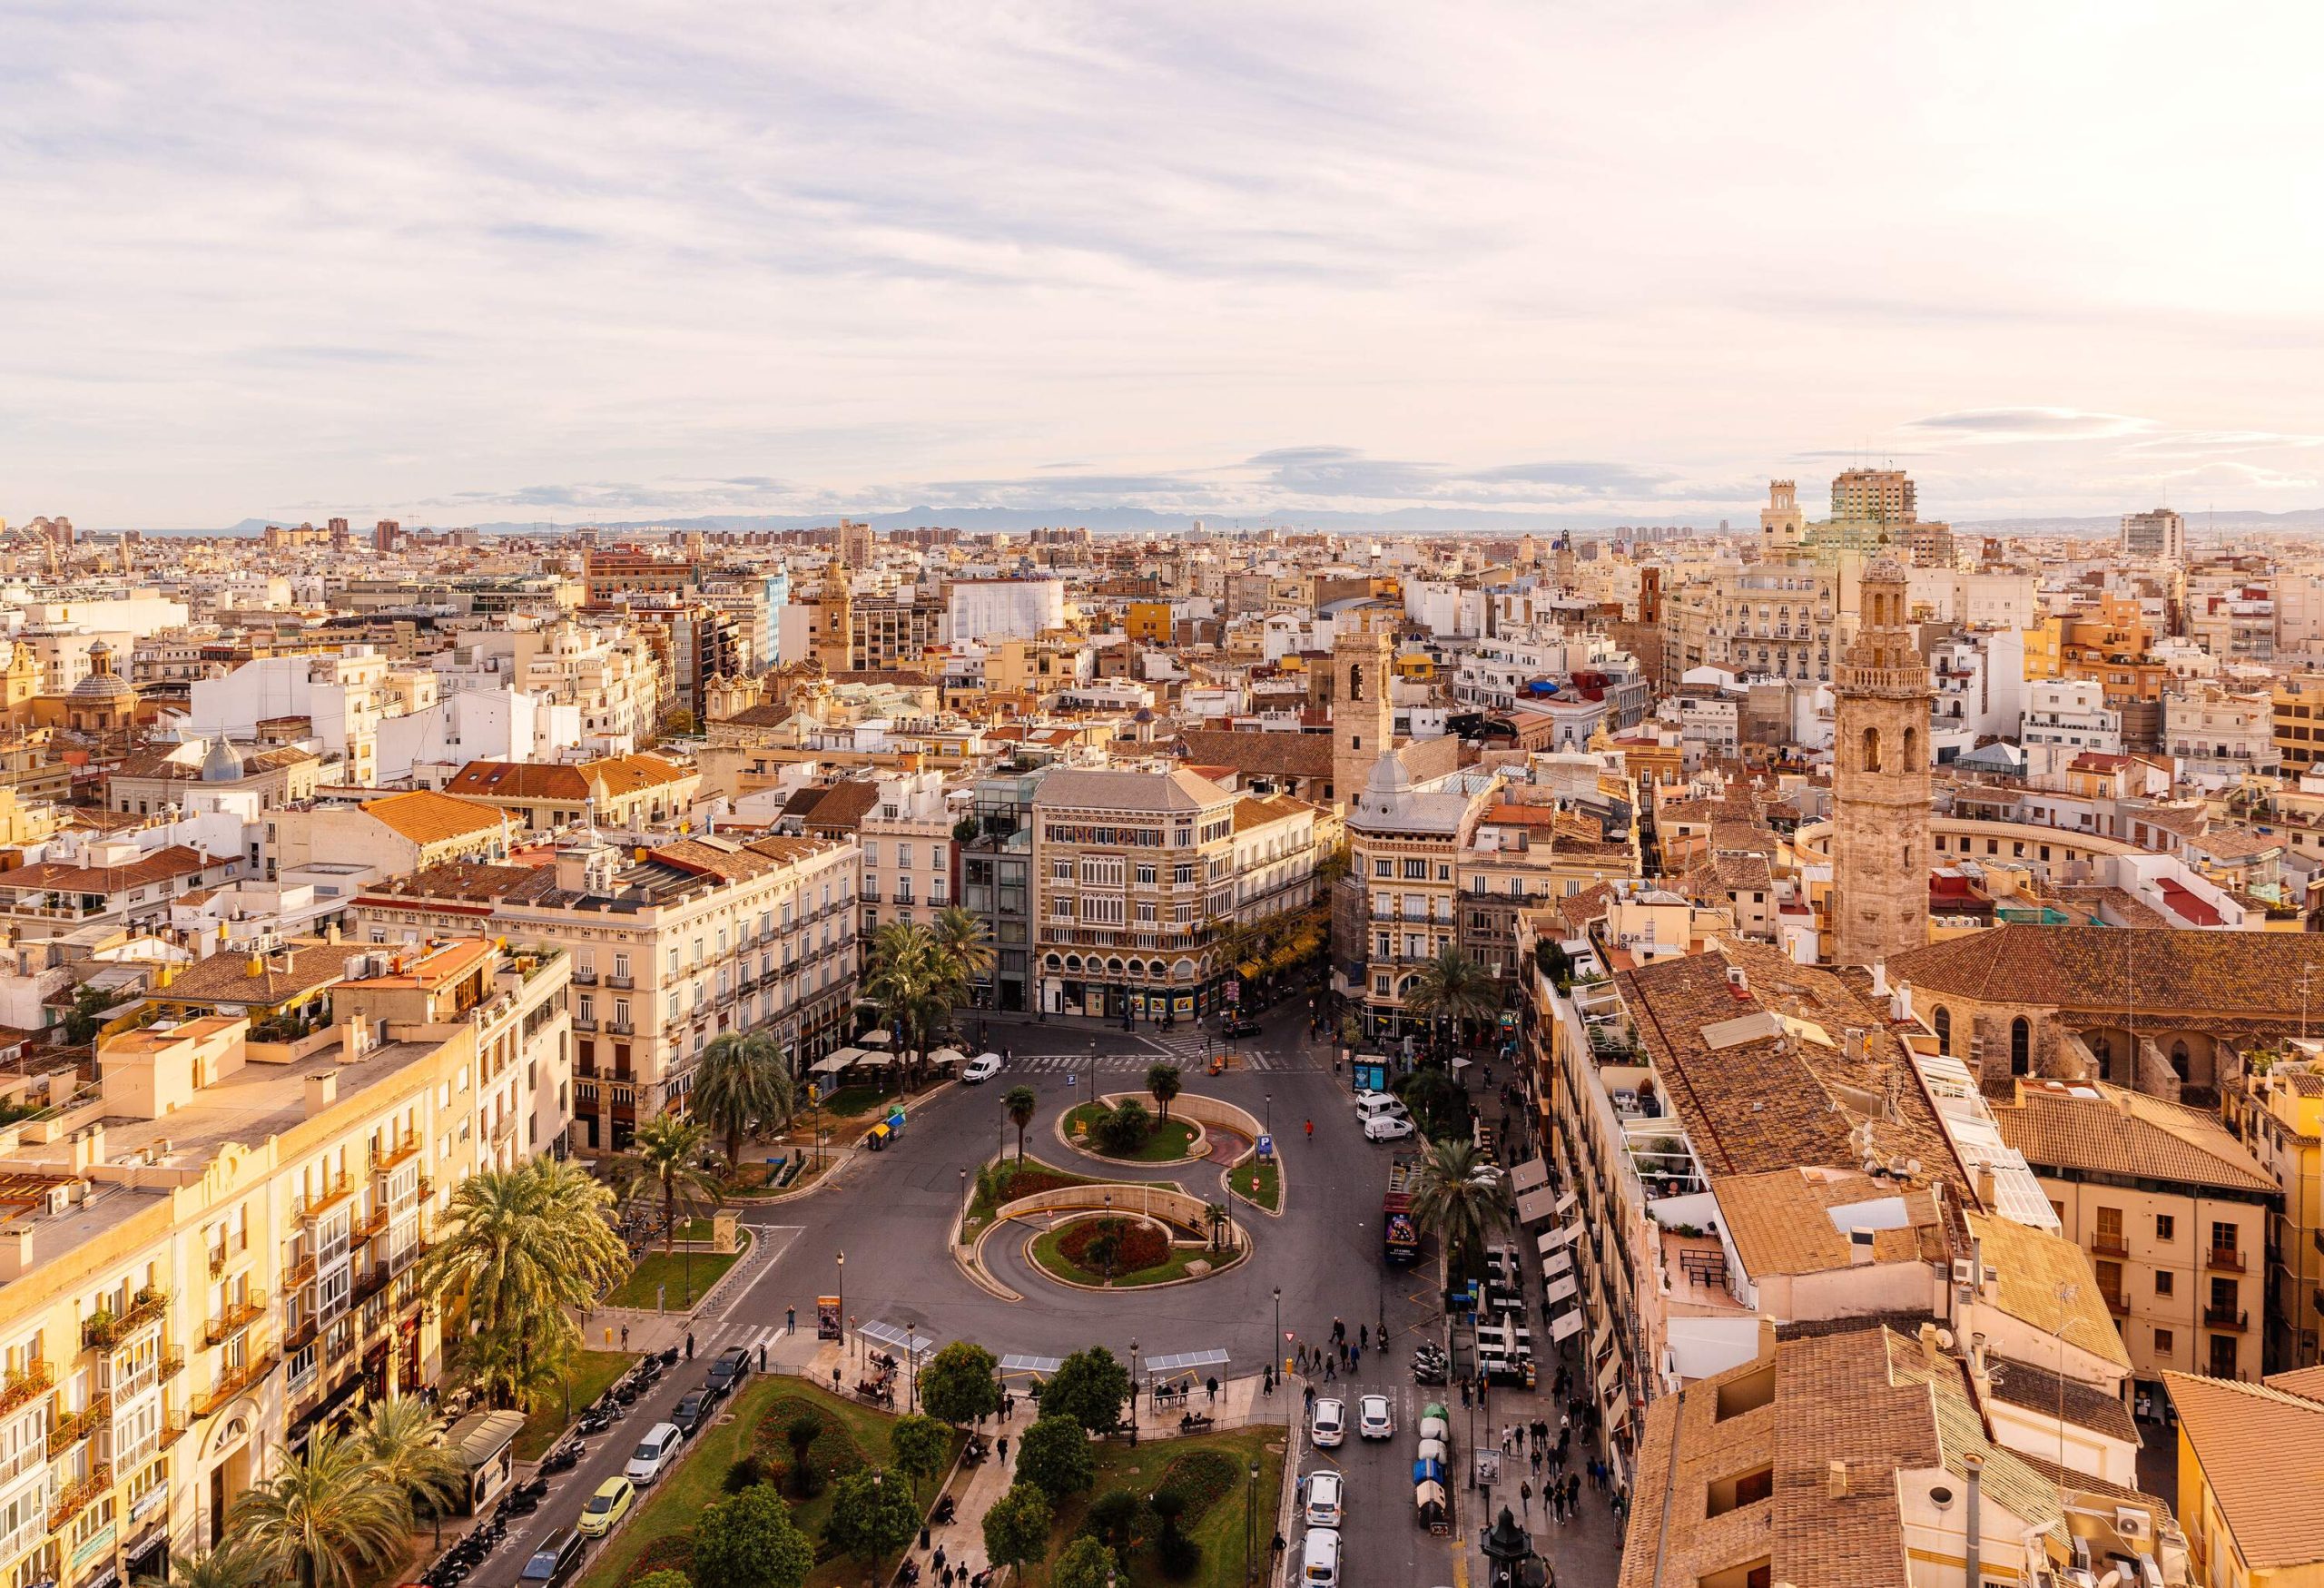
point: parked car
(1239, 1027)
(692, 1409)
(1319, 1558)
(557, 1560)
(653, 1454)
(981, 1068)
(1328, 1424)
(1375, 1105)
(1374, 1420)
(732, 1367)
(608, 1505)
(1387, 1127)
(1325, 1495)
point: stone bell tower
(1880, 781)
(1363, 718)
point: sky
(1565, 262)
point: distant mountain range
(1421, 520)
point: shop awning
(1533, 1172)
(1535, 1205)
(1617, 1413)
(1565, 1324)
(1600, 1338)
(1554, 1240)
(875, 1060)
(1560, 1261)
(1566, 1203)
(1608, 1375)
(1558, 1290)
(836, 1062)
(948, 1058)
(876, 1038)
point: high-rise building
(1884, 496)
(1880, 781)
(2159, 534)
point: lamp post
(840, 1263)
(1277, 1356)
(1112, 1236)
(1133, 1389)
(1270, 1097)
(911, 1352)
(1251, 1527)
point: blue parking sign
(1267, 1145)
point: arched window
(1872, 749)
(1912, 749)
(2102, 1049)
(2179, 1060)
(2020, 1046)
(1355, 682)
(1943, 1020)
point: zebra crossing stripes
(1070, 1064)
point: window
(2166, 1226)
(2223, 1244)
(1061, 870)
(904, 856)
(1384, 868)
(2020, 1046)
(1416, 869)
(871, 851)
(2165, 1282)
(2165, 1343)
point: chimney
(1879, 978)
(1904, 1000)
(1859, 1245)
(1932, 1353)
(322, 1090)
(1988, 1190)
(15, 1251)
(1853, 1043)
(1975, 1467)
(1835, 1479)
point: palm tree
(327, 1519)
(743, 1084)
(1451, 986)
(1457, 1196)
(963, 939)
(666, 1161)
(1022, 1104)
(229, 1565)
(518, 1252)
(404, 1439)
(1162, 1085)
(913, 984)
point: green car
(608, 1505)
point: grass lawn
(849, 1100)
(1168, 1141)
(1046, 1252)
(1219, 1530)
(593, 1373)
(669, 1270)
(1269, 1194)
(982, 1206)
(699, 1481)
(752, 1179)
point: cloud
(2029, 424)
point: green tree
(228, 1565)
(1090, 1386)
(1017, 1526)
(959, 1383)
(750, 1542)
(520, 1252)
(1458, 1196)
(90, 1004)
(326, 1520)
(667, 1577)
(1116, 1517)
(665, 1161)
(913, 983)
(404, 1439)
(1123, 1129)
(802, 1432)
(1084, 1563)
(1162, 1083)
(1452, 987)
(741, 1085)
(871, 1514)
(1054, 1453)
(1022, 1104)
(919, 1446)
(964, 940)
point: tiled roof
(2093, 1125)
(160, 866)
(570, 783)
(841, 807)
(2257, 1447)
(461, 882)
(427, 817)
(1795, 1220)
(1146, 792)
(2102, 967)
(1265, 755)
(2046, 1281)
(225, 977)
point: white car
(983, 1067)
(653, 1454)
(1374, 1420)
(1387, 1127)
(1324, 1495)
(1328, 1424)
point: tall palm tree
(1458, 1196)
(1451, 986)
(326, 1519)
(229, 1565)
(404, 1439)
(963, 939)
(666, 1162)
(913, 984)
(1162, 1085)
(1022, 1104)
(743, 1084)
(518, 1252)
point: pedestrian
(689, 1345)
(1266, 1380)
(1210, 1388)
(1001, 1444)
(1339, 1332)
(1363, 1335)
(790, 1320)
(1525, 1498)
(1311, 1398)
(1464, 1389)
(1311, 1130)
(762, 1356)
(940, 1557)
(1504, 1441)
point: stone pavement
(1585, 1549)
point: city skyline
(1282, 265)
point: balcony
(394, 1158)
(584, 1023)
(2117, 1303)
(336, 1189)
(2233, 1319)
(71, 1429)
(2110, 1244)
(232, 1384)
(36, 1377)
(302, 1272)
(236, 1317)
(171, 1365)
(621, 982)
(78, 1495)
(369, 1225)
(2225, 1258)
(622, 1027)
(102, 1331)
(585, 975)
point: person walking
(1311, 1131)
(1525, 1498)
(689, 1345)
(624, 1336)
(1001, 1444)
(1363, 1335)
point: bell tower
(1880, 781)
(834, 646)
(1364, 719)
(1781, 524)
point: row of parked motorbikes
(1430, 1363)
(522, 1500)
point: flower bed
(1203, 1478)
(1139, 1246)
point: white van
(1371, 1105)
(653, 1454)
(1319, 1559)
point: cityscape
(950, 800)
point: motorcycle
(565, 1457)
(669, 1357)
(1431, 1367)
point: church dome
(222, 763)
(102, 686)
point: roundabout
(1110, 1251)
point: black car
(1240, 1027)
(732, 1367)
(693, 1406)
(553, 1563)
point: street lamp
(1133, 1388)
(1251, 1527)
(840, 1263)
(1270, 1097)
(1113, 1236)
(1275, 1355)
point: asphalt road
(892, 1214)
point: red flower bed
(1141, 1246)
(1031, 1182)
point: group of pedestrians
(1342, 1354)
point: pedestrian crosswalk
(1189, 1053)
